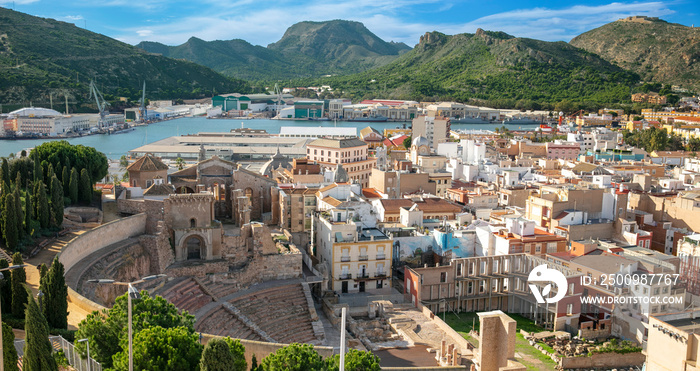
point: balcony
(381, 256)
(345, 276)
(344, 258)
(363, 257)
(380, 275)
(362, 275)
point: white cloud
(144, 33)
(72, 18)
(264, 21)
(17, 2)
(563, 24)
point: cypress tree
(56, 296)
(37, 349)
(49, 173)
(5, 169)
(85, 187)
(19, 291)
(44, 171)
(65, 180)
(19, 214)
(3, 195)
(8, 349)
(28, 214)
(42, 206)
(38, 171)
(5, 288)
(9, 228)
(73, 187)
(57, 201)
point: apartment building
(566, 151)
(356, 259)
(297, 206)
(435, 129)
(575, 212)
(477, 284)
(395, 184)
(673, 343)
(352, 153)
(389, 210)
(521, 236)
(689, 270)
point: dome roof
(34, 111)
(277, 161)
(421, 141)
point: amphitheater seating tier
(282, 312)
(221, 322)
(187, 295)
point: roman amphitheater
(211, 232)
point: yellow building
(356, 259)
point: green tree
(43, 213)
(85, 187)
(65, 180)
(407, 143)
(254, 363)
(123, 162)
(78, 156)
(223, 355)
(180, 163)
(73, 187)
(5, 288)
(5, 171)
(19, 291)
(55, 304)
(106, 328)
(56, 202)
(8, 348)
(294, 357)
(157, 348)
(37, 348)
(28, 214)
(355, 360)
(9, 227)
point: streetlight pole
(130, 291)
(87, 342)
(2, 351)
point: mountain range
(39, 56)
(306, 49)
(655, 49)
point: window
(443, 277)
(569, 309)
(193, 223)
(571, 288)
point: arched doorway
(193, 247)
(184, 189)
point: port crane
(101, 104)
(142, 109)
(278, 92)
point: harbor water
(116, 145)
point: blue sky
(262, 22)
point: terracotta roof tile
(147, 163)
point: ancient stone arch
(193, 246)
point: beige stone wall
(131, 207)
(100, 237)
(603, 360)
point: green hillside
(656, 50)
(306, 49)
(39, 56)
(494, 67)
